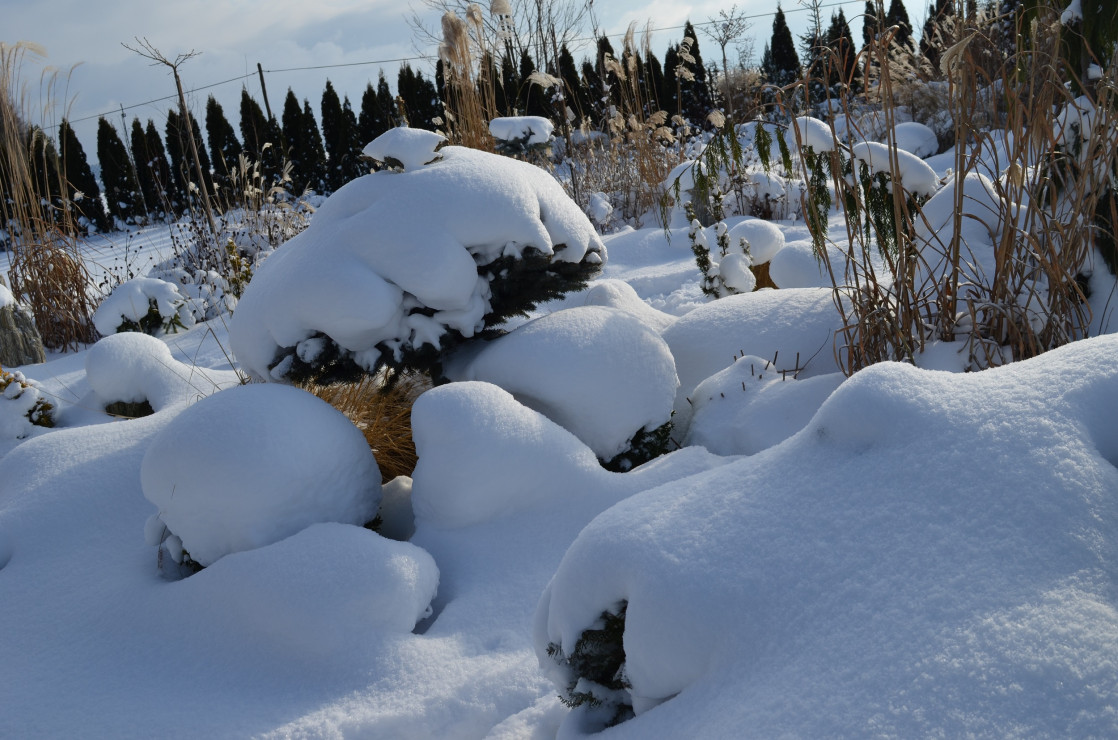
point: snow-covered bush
(401, 265)
(599, 372)
(519, 135)
(144, 304)
(22, 406)
(251, 465)
(133, 374)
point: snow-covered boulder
(254, 464)
(598, 372)
(396, 266)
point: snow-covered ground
(904, 553)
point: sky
(98, 76)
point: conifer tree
(897, 16)
(224, 147)
(315, 154)
(654, 82)
(178, 146)
(79, 178)
(372, 120)
(150, 194)
(262, 138)
(385, 103)
(669, 92)
(781, 65)
(695, 94)
(119, 192)
(507, 92)
(294, 133)
(532, 98)
(842, 69)
(43, 163)
(339, 134)
(170, 199)
(421, 100)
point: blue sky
(83, 40)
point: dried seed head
(716, 118)
(500, 7)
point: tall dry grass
(46, 270)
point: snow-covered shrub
(251, 465)
(592, 673)
(400, 266)
(599, 372)
(518, 135)
(133, 374)
(22, 405)
(144, 304)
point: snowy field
(909, 552)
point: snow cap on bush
(398, 265)
(598, 372)
(144, 304)
(252, 465)
(133, 368)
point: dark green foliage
(183, 171)
(154, 165)
(695, 97)
(339, 135)
(598, 657)
(842, 67)
(518, 285)
(668, 94)
(150, 194)
(304, 146)
(532, 99)
(79, 178)
(646, 445)
(262, 138)
(153, 322)
(817, 199)
(573, 88)
(421, 99)
(897, 16)
(375, 118)
(129, 409)
(115, 173)
(224, 147)
(781, 65)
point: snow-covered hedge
(402, 264)
(144, 304)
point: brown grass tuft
(382, 411)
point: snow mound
(391, 261)
(411, 148)
(254, 464)
(134, 367)
(311, 591)
(131, 301)
(620, 295)
(815, 134)
(797, 266)
(764, 239)
(823, 589)
(913, 173)
(483, 455)
(598, 372)
(916, 138)
(751, 406)
(529, 130)
(788, 326)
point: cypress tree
(169, 198)
(173, 135)
(843, 67)
(695, 93)
(315, 154)
(653, 82)
(115, 172)
(182, 164)
(531, 99)
(224, 147)
(669, 92)
(573, 87)
(46, 181)
(385, 102)
(781, 65)
(372, 120)
(79, 178)
(339, 134)
(150, 193)
(508, 92)
(294, 135)
(897, 16)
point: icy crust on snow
(309, 464)
(133, 299)
(531, 130)
(392, 247)
(913, 173)
(599, 372)
(879, 573)
(134, 367)
(771, 324)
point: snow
(410, 147)
(914, 175)
(599, 372)
(360, 273)
(763, 239)
(815, 134)
(962, 592)
(1072, 14)
(531, 130)
(309, 465)
(904, 553)
(916, 139)
(133, 299)
(6, 297)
